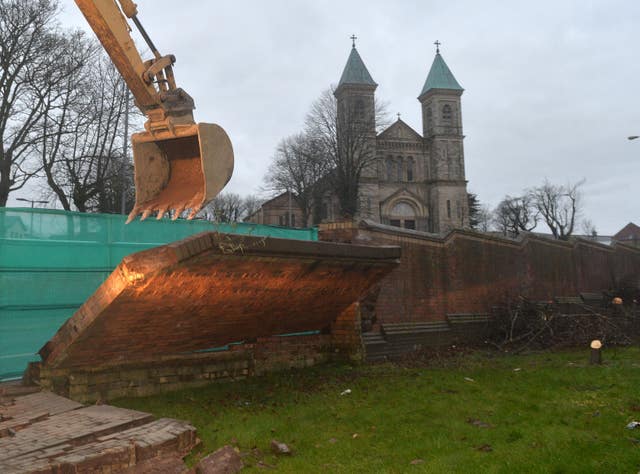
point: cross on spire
(437, 43)
(398, 114)
(353, 39)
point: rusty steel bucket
(181, 170)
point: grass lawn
(475, 413)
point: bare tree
(484, 218)
(251, 205)
(225, 207)
(82, 132)
(589, 229)
(298, 165)
(559, 206)
(347, 137)
(28, 67)
(61, 106)
(515, 215)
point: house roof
(277, 198)
(355, 72)
(628, 232)
(272, 201)
(440, 77)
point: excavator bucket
(182, 170)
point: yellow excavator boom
(179, 164)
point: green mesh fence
(51, 261)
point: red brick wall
(467, 272)
(346, 334)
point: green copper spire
(440, 77)
(355, 72)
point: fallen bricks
(64, 436)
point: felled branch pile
(528, 325)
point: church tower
(442, 131)
(356, 118)
(356, 92)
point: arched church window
(429, 119)
(399, 165)
(403, 215)
(389, 165)
(402, 209)
(447, 114)
(410, 169)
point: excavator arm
(179, 164)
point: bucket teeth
(151, 207)
(133, 214)
(145, 211)
(193, 213)
(179, 209)
(194, 205)
(162, 212)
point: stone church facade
(418, 180)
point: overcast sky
(551, 87)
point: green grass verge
(548, 412)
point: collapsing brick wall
(468, 272)
(152, 325)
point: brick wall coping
(446, 239)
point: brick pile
(64, 436)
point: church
(416, 181)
